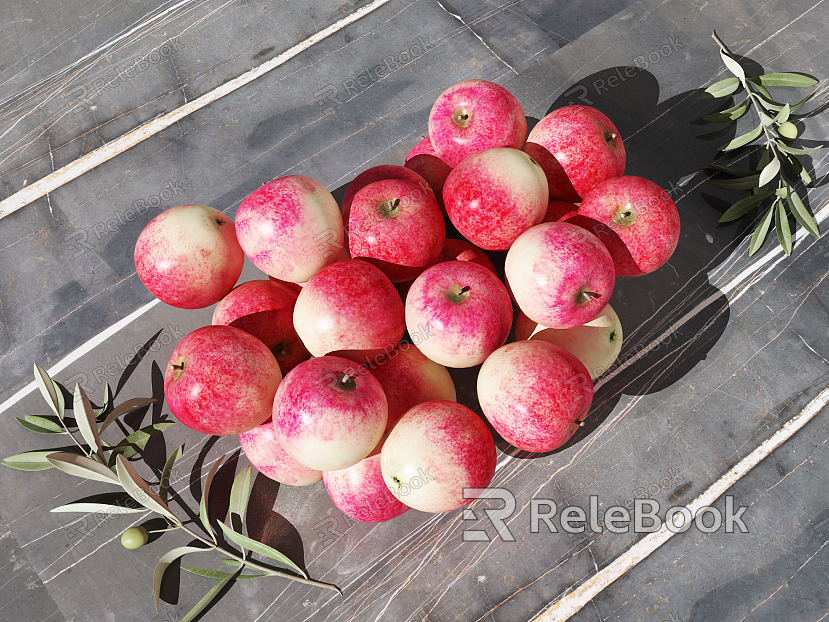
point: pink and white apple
(361, 493)
(425, 161)
(642, 215)
(560, 186)
(493, 196)
(586, 144)
(596, 344)
(189, 257)
(534, 394)
(397, 227)
(474, 115)
(379, 173)
(460, 312)
(221, 380)
(561, 275)
(327, 417)
(265, 453)
(436, 451)
(350, 305)
(290, 228)
(265, 309)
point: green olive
(787, 130)
(134, 538)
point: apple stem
(591, 295)
(220, 222)
(463, 290)
(179, 367)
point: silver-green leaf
(138, 440)
(138, 489)
(89, 508)
(258, 547)
(740, 141)
(239, 494)
(723, 88)
(165, 561)
(50, 391)
(85, 418)
(728, 115)
(743, 207)
(124, 408)
(738, 183)
(82, 466)
(210, 596)
(30, 461)
(203, 504)
(781, 223)
(785, 79)
(802, 214)
(164, 483)
(218, 574)
(733, 66)
(770, 171)
(761, 232)
(41, 425)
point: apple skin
(596, 344)
(290, 228)
(534, 394)
(408, 378)
(265, 309)
(561, 275)
(378, 173)
(227, 384)
(425, 161)
(265, 452)
(586, 144)
(461, 327)
(444, 442)
(493, 196)
(402, 241)
(324, 425)
(474, 115)
(642, 215)
(350, 305)
(189, 257)
(561, 189)
(560, 210)
(360, 492)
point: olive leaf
(218, 574)
(85, 419)
(30, 461)
(239, 495)
(743, 140)
(760, 233)
(107, 400)
(781, 223)
(82, 466)
(41, 425)
(728, 115)
(769, 172)
(802, 214)
(164, 483)
(203, 504)
(125, 407)
(733, 66)
(743, 207)
(784, 79)
(89, 508)
(50, 391)
(136, 441)
(138, 489)
(168, 558)
(738, 183)
(723, 88)
(211, 596)
(258, 547)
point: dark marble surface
(738, 345)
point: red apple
(361, 494)
(642, 215)
(188, 256)
(534, 394)
(290, 228)
(425, 161)
(560, 210)
(461, 250)
(586, 144)
(596, 344)
(265, 452)
(350, 305)
(561, 189)
(378, 173)
(561, 275)
(396, 226)
(435, 451)
(460, 311)
(221, 380)
(265, 309)
(474, 115)
(493, 196)
(328, 419)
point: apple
(474, 115)
(265, 309)
(408, 378)
(350, 305)
(561, 275)
(290, 228)
(596, 344)
(327, 417)
(642, 215)
(361, 494)
(560, 210)
(560, 186)
(461, 250)
(462, 312)
(188, 256)
(586, 144)
(434, 452)
(493, 196)
(221, 380)
(265, 452)
(534, 394)
(396, 226)
(425, 161)
(378, 173)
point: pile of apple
(310, 367)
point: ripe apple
(396, 226)
(265, 309)
(328, 419)
(290, 228)
(493, 196)
(426, 162)
(560, 210)
(586, 144)
(462, 312)
(360, 492)
(266, 453)
(350, 305)
(561, 188)
(534, 394)
(474, 115)
(642, 215)
(188, 256)
(221, 380)
(378, 173)
(596, 344)
(435, 451)
(561, 275)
